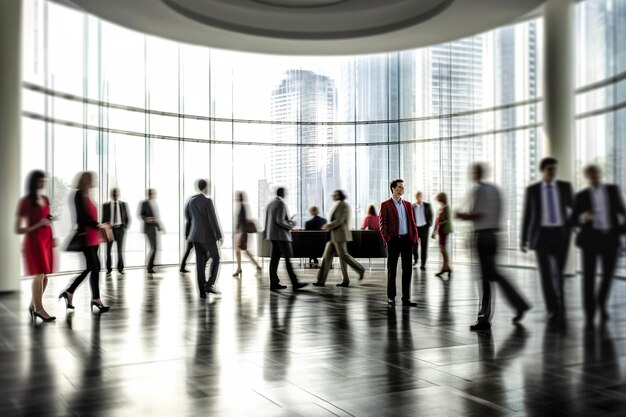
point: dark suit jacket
(617, 215)
(146, 211)
(428, 213)
(315, 223)
(200, 213)
(389, 220)
(107, 213)
(531, 222)
(83, 217)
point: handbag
(77, 243)
(250, 226)
(106, 236)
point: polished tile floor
(161, 351)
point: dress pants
(487, 248)
(204, 252)
(281, 248)
(606, 248)
(341, 248)
(422, 242)
(400, 246)
(92, 262)
(551, 255)
(152, 240)
(183, 263)
(118, 236)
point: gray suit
(204, 232)
(278, 229)
(340, 235)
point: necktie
(551, 205)
(115, 213)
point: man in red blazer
(399, 232)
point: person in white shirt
(423, 213)
(486, 213)
(599, 212)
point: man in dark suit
(547, 230)
(423, 213)
(278, 227)
(315, 223)
(183, 263)
(399, 232)
(150, 215)
(600, 213)
(205, 233)
(115, 213)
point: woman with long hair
(443, 227)
(34, 221)
(371, 221)
(87, 224)
(241, 233)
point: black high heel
(101, 307)
(67, 300)
(45, 319)
(31, 313)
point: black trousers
(118, 235)
(422, 242)
(606, 248)
(281, 248)
(487, 248)
(152, 240)
(399, 247)
(92, 262)
(183, 263)
(204, 252)
(551, 255)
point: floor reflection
(325, 351)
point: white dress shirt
(600, 204)
(488, 205)
(116, 218)
(420, 214)
(545, 211)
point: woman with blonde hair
(443, 227)
(88, 231)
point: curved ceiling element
(310, 27)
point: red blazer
(389, 220)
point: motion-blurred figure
(443, 228)
(486, 214)
(245, 225)
(600, 213)
(151, 225)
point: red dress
(38, 244)
(92, 234)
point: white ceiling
(310, 27)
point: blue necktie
(551, 205)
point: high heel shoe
(67, 300)
(45, 319)
(31, 313)
(237, 273)
(101, 307)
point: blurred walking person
(89, 235)
(151, 225)
(244, 226)
(115, 213)
(443, 228)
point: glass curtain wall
(145, 112)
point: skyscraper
(311, 172)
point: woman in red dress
(34, 220)
(87, 221)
